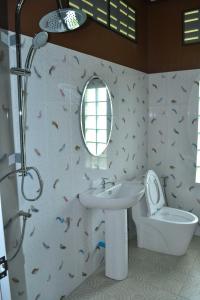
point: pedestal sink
(115, 200)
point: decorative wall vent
(116, 15)
(123, 18)
(97, 9)
(191, 26)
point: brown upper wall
(159, 49)
(165, 49)
(92, 38)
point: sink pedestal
(115, 200)
(116, 238)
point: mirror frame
(81, 111)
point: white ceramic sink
(120, 196)
(115, 200)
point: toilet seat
(173, 215)
(154, 193)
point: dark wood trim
(3, 14)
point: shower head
(62, 20)
(40, 40)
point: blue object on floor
(101, 244)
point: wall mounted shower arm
(61, 20)
(21, 107)
(59, 4)
(19, 80)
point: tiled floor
(152, 276)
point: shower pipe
(22, 102)
(19, 71)
(19, 83)
(24, 168)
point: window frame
(96, 142)
(183, 27)
(108, 27)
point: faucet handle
(104, 179)
(164, 178)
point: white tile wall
(172, 135)
(61, 237)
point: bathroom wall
(109, 45)
(61, 237)
(158, 49)
(172, 135)
(8, 190)
(166, 51)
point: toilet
(160, 228)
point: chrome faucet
(105, 182)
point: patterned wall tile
(172, 135)
(61, 237)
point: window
(198, 145)
(96, 119)
(114, 14)
(97, 9)
(191, 26)
(123, 18)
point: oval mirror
(96, 115)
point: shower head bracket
(20, 72)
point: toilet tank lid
(154, 193)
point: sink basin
(119, 196)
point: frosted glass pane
(90, 122)
(96, 115)
(102, 94)
(90, 108)
(102, 122)
(90, 95)
(92, 148)
(198, 159)
(90, 135)
(100, 148)
(102, 108)
(198, 175)
(102, 136)
(198, 139)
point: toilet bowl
(160, 228)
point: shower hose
(23, 172)
(27, 215)
(21, 237)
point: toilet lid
(154, 194)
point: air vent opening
(116, 15)
(191, 26)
